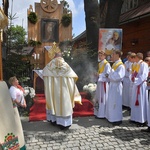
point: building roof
(136, 13)
(80, 36)
(24, 51)
(129, 16)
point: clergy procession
(120, 85)
(123, 86)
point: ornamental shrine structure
(48, 28)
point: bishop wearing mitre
(60, 89)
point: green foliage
(34, 43)
(32, 17)
(66, 9)
(16, 65)
(66, 20)
(16, 38)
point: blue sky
(76, 6)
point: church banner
(109, 40)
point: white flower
(29, 91)
(85, 87)
(91, 87)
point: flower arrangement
(90, 89)
(29, 91)
(29, 94)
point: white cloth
(60, 89)
(9, 117)
(114, 102)
(101, 95)
(64, 121)
(139, 113)
(39, 73)
(126, 82)
(17, 94)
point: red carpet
(38, 111)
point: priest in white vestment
(139, 102)
(102, 86)
(114, 102)
(60, 90)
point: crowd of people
(123, 85)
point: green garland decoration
(66, 20)
(32, 17)
(34, 43)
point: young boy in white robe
(139, 100)
(102, 86)
(126, 82)
(114, 102)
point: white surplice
(139, 112)
(102, 92)
(126, 85)
(114, 101)
(61, 91)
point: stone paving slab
(86, 133)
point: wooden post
(1, 66)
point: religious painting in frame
(50, 30)
(109, 40)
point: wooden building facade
(136, 29)
(135, 22)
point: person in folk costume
(60, 89)
(147, 60)
(102, 86)
(126, 82)
(11, 123)
(114, 101)
(139, 100)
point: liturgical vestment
(60, 90)
(102, 89)
(139, 102)
(114, 101)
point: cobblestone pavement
(86, 133)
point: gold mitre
(53, 50)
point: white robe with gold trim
(114, 101)
(101, 94)
(139, 113)
(60, 90)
